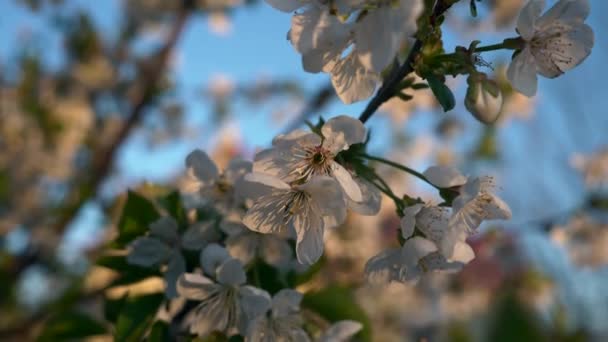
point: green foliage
(138, 213)
(336, 303)
(443, 94)
(112, 308)
(173, 204)
(136, 315)
(159, 332)
(266, 277)
(70, 326)
(513, 321)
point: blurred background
(100, 97)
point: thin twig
(389, 87)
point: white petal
(341, 331)
(463, 253)
(348, 184)
(559, 54)
(352, 81)
(433, 222)
(496, 209)
(147, 251)
(309, 244)
(444, 176)
(201, 166)
(256, 184)
(231, 227)
(286, 5)
(237, 169)
(165, 228)
(231, 272)
(408, 221)
(195, 286)
(286, 302)
(212, 257)
(276, 251)
(415, 249)
(317, 29)
(175, 268)
(199, 235)
(378, 36)
(244, 246)
(372, 198)
(569, 11)
(254, 302)
(327, 197)
(274, 161)
(352, 130)
(522, 73)
(526, 22)
(269, 213)
(385, 267)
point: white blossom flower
(555, 42)
(306, 208)
(247, 245)
(340, 331)
(282, 322)
(399, 264)
(322, 38)
(163, 246)
(475, 203)
(433, 222)
(212, 187)
(301, 155)
(227, 306)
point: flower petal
(201, 167)
(286, 302)
(148, 251)
(378, 36)
(327, 198)
(165, 228)
(175, 268)
(317, 29)
(444, 176)
(255, 185)
(408, 221)
(346, 181)
(526, 22)
(269, 213)
(352, 130)
(231, 273)
(195, 286)
(254, 302)
(237, 169)
(286, 5)
(198, 235)
(522, 73)
(385, 267)
(212, 257)
(372, 198)
(352, 81)
(567, 11)
(341, 331)
(275, 251)
(309, 243)
(244, 246)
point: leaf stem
(400, 167)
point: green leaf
(112, 307)
(513, 321)
(159, 332)
(266, 277)
(338, 303)
(295, 279)
(137, 215)
(173, 204)
(70, 325)
(443, 94)
(136, 315)
(473, 8)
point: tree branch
(388, 88)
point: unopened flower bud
(483, 99)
